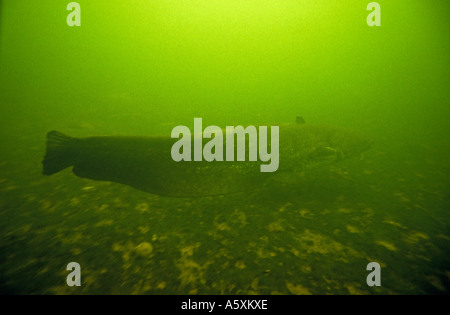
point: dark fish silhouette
(145, 163)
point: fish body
(146, 163)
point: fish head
(304, 146)
(324, 154)
(349, 143)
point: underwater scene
(220, 147)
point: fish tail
(58, 155)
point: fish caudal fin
(59, 154)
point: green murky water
(142, 68)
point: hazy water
(144, 68)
